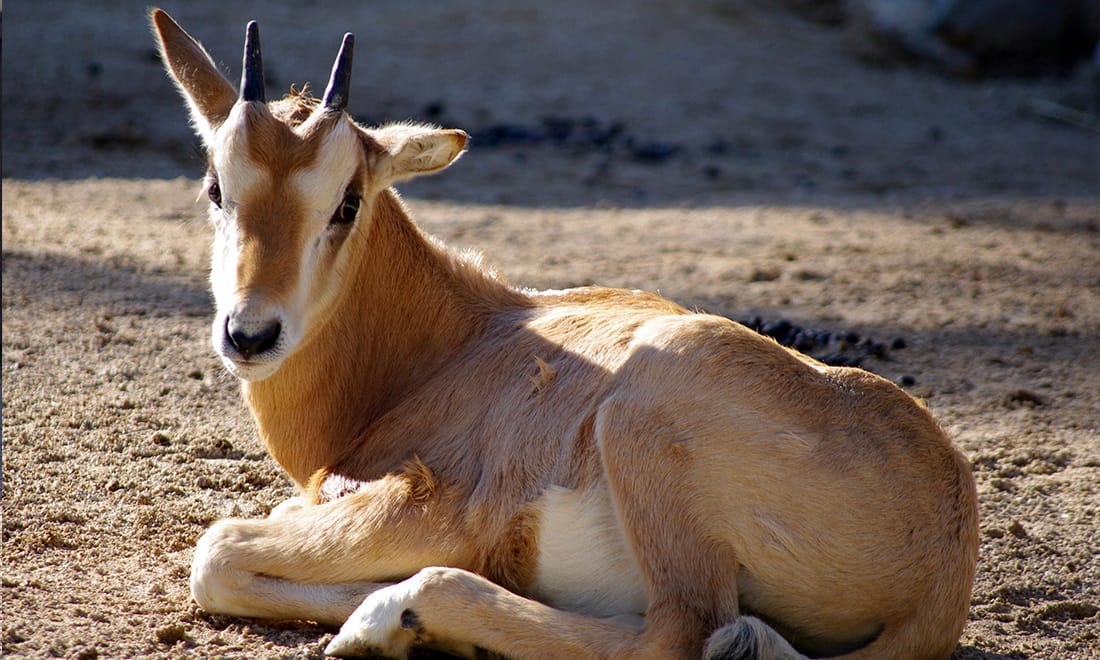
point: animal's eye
(215, 193)
(348, 209)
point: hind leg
(459, 611)
(690, 577)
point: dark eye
(349, 208)
(215, 193)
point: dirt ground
(731, 155)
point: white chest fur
(585, 564)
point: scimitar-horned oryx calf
(589, 473)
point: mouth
(250, 370)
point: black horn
(252, 79)
(336, 94)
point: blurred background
(626, 103)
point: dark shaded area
(628, 107)
(122, 286)
(1022, 37)
(838, 348)
(970, 38)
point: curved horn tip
(252, 77)
(336, 94)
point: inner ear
(410, 150)
(431, 152)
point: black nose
(249, 344)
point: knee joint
(213, 580)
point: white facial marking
(321, 187)
(235, 173)
(323, 183)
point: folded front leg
(319, 562)
(458, 611)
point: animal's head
(288, 182)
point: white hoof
(382, 625)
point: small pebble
(804, 342)
(171, 635)
(1017, 530)
(777, 330)
(1023, 399)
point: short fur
(440, 422)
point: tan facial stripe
(271, 214)
(271, 228)
(275, 147)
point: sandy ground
(732, 156)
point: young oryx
(589, 473)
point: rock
(1022, 398)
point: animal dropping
(588, 473)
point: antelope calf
(589, 473)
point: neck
(406, 306)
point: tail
(749, 638)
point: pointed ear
(208, 94)
(411, 150)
